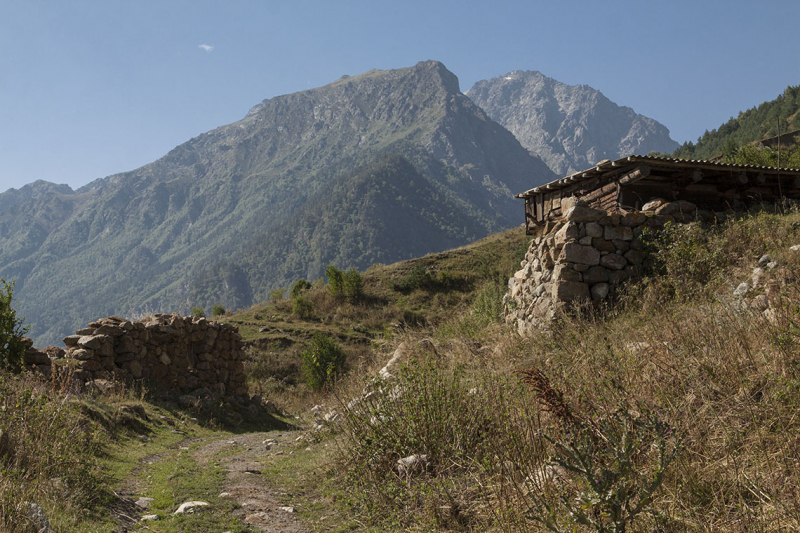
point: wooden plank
(635, 175)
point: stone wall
(583, 258)
(180, 353)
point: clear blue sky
(89, 88)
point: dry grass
(679, 350)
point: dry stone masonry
(179, 353)
(584, 257)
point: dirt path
(241, 457)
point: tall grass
(679, 364)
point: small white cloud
(206, 47)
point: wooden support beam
(635, 175)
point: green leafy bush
(12, 331)
(300, 286)
(335, 279)
(302, 307)
(322, 361)
(276, 295)
(352, 285)
(218, 310)
(198, 312)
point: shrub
(12, 331)
(300, 286)
(322, 360)
(218, 310)
(198, 312)
(276, 295)
(335, 279)
(302, 307)
(352, 285)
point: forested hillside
(755, 124)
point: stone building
(588, 225)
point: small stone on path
(149, 518)
(288, 509)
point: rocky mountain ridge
(571, 127)
(210, 222)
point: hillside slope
(757, 123)
(571, 127)
(152, 238)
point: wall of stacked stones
(179, 353)
(584, 257)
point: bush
(218, 310)
(349, 284)
(300, 286)
(302, 307)
(198, 312)
(335, 279)
(322, 361)
(12, 331)
(352, 285)
(276, 295)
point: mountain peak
(571, 127)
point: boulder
(576, 253)
(583, 214)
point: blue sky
(89, 88)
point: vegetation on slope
(675, 411)
(749, 126)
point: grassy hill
(676, 409)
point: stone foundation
(584, 258)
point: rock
(149, 518)
(613, 262)
(413, 464)
(287, 509)
(39, 519)
(103, 386)
(654, 204)
(764, 260)
(394, 361)
(603, 245)
(795, 248)
(760, 302)
(570, 291)
(564, 272)
(190, 507)
(568, 233)
(144, 503)
(33, 356)
(600, 291)
(596, 274)
(772, 264)
(741, 290)
(622, 233)
(576, 253)
(71, 340)
(594, 230)
(93, 342)
(583, 214)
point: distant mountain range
(378, 167)
(571, 127)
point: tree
(12, 349)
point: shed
(630, 182)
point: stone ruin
(584, 257)
(174, 352)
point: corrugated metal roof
(606, 165)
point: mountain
(32, 191)
(755, 124)
(371, 168)
(571, 127)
